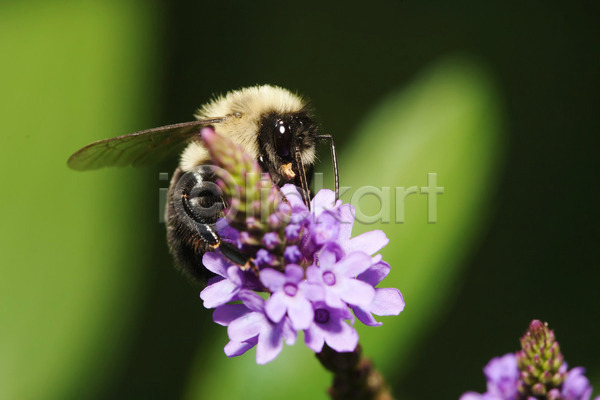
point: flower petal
(314, 338)
(330, 254)
(312, 291)
(376, 258)
(226, 232)
(314, 274)
(346, 215)
(218, 293)
(353, 264)
(234, 349)
(325, 229)
(289, 333)
(252, 300)
(214, 279)
(270, 343)
(470, 396)
(294, 273)
(235, 275)
(343, 338)
(323, 200)
(369, 242)
(272, 279)
(300, 312)
(276, 307)
(332, 299)
(355, 292)
(365, 317)
(375, 274)
(292, 254)
(225, 314)
(293, 196)
(215, 262)
(576, 386)
(246, 327)
(387, 301)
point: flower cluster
(537, 371)
(304, 272)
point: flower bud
(540, 361)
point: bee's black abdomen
(193, 206)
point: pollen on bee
(287, 171)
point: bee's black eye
(283, 138)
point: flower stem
(354, 376)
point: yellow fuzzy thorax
(250, 104)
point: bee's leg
(193, 206)
(336, 175)
(304, 190)
(233, 254)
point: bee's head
(287, 143)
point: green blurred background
(500, 100)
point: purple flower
(292, 232)
(502, 376)
(326, 228)
(227, 233)
(280, 216)
(369, 242)
(271, 240)
(387, 301)
(334, 224)
(309, 270)
(225, 315)
(264, 259)
(326, 275)
(291, 295)
(292, 255)
(323, 201)
(248, 326)
(299, 210)
(228, 283)
(576, 386)
(336, 274)
(329, 327)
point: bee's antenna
(335, 164)
(302, 175)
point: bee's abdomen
(193, 207)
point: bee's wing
(139, 148)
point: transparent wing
(139, 148)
